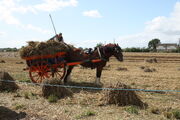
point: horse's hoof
(99, 83)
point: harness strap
(99, 53)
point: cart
(50, 66)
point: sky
(85, 23)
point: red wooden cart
(49, 66)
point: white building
(166, 47)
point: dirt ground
(28, 104)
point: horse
(103, 53)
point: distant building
(166, 47)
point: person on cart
(89, 51)
(58, 38)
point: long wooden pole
(53, 24)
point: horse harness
(101, 53)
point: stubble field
(28, 102)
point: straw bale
(60, 92)
(121, 97)
(151, 60)
(121, 69)
(9, 86)
(149, 69)
(142, 67)
(2, 61)
(8, 114)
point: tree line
(152, 47)
(8, 49)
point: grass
(176, 113)
(132, 110)
(26, 95)
(29, 95)
(155, 111)
(22, 77)
(19, 106)
(86, 114)
(25, 80)
(17, 95)
(84, 105)
(52, 99)
(168, 115)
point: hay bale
(8, 114)
(151, 60)
(121, 97)
(59, 92)
(149, 70)
(2, 61)
(121, 69)
(154, 60)
(44, 48)
(142, 67)
(5, 85)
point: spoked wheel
(39, 72)
(58, 71)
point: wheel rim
(39, 73)
(59, 72)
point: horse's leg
(67, 76)
(98, 75)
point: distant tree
(9, 49)
(176, 50)
(99, 44)
(86, 49)
(80, 48)
(133, 49)
(153, 43)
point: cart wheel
(39, 73)
(59, 71)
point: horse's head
(115, 50)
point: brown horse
(103, 53)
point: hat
(60, 33)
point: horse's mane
(110, 45)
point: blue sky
(84, 23)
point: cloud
(52, 5)
(92, 13)
(2, 33)
(167, 29)
(38, 29)
(9, 7)
(87, 43)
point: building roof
(168, 44)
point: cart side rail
(45, 56)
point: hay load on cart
(44, 48)
(45, 59)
